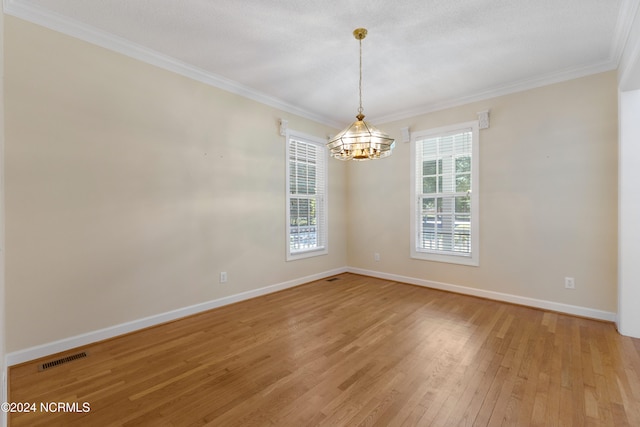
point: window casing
(444, 194)
(306, 196)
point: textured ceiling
(420, 55)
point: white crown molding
(629, 75)
(626, 16)
(629, 60)
(38, 15)
(520, 86)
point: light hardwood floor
(354, 351)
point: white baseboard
(47, 349)
(498, 296)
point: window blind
(306, 196)
(443, 185)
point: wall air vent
(62, 360)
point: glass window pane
(429, 184)
(463, 183)
(444, 204)
(463, 224)
(463, 204)
(428, 222)
(293, 212)
(444, 242)
(428, 240)
(312, 211)
(462, 243)
(429, 167)
(429, 204)
(463, 164)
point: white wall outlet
(569, 283)
(223, 277)
(376, 257)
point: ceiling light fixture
(361, 140)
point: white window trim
(323, 250)
(474, 258)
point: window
(444, 214)
(306, 196)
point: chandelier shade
(360, 140)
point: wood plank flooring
(357, 351)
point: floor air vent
(62, 360)
(333, 279)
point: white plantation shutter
(306, 196)
(445, 199)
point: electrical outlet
(223, 277)
(569, 283)
(376, 257)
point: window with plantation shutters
(306, 196)
(445, 194)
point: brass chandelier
(361, 140)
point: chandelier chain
(360, 140)
(360, 109)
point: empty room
(331, 213)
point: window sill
(451, 259)
(307, 254)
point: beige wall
(129, 188)
(548, 201)
(3, 366)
